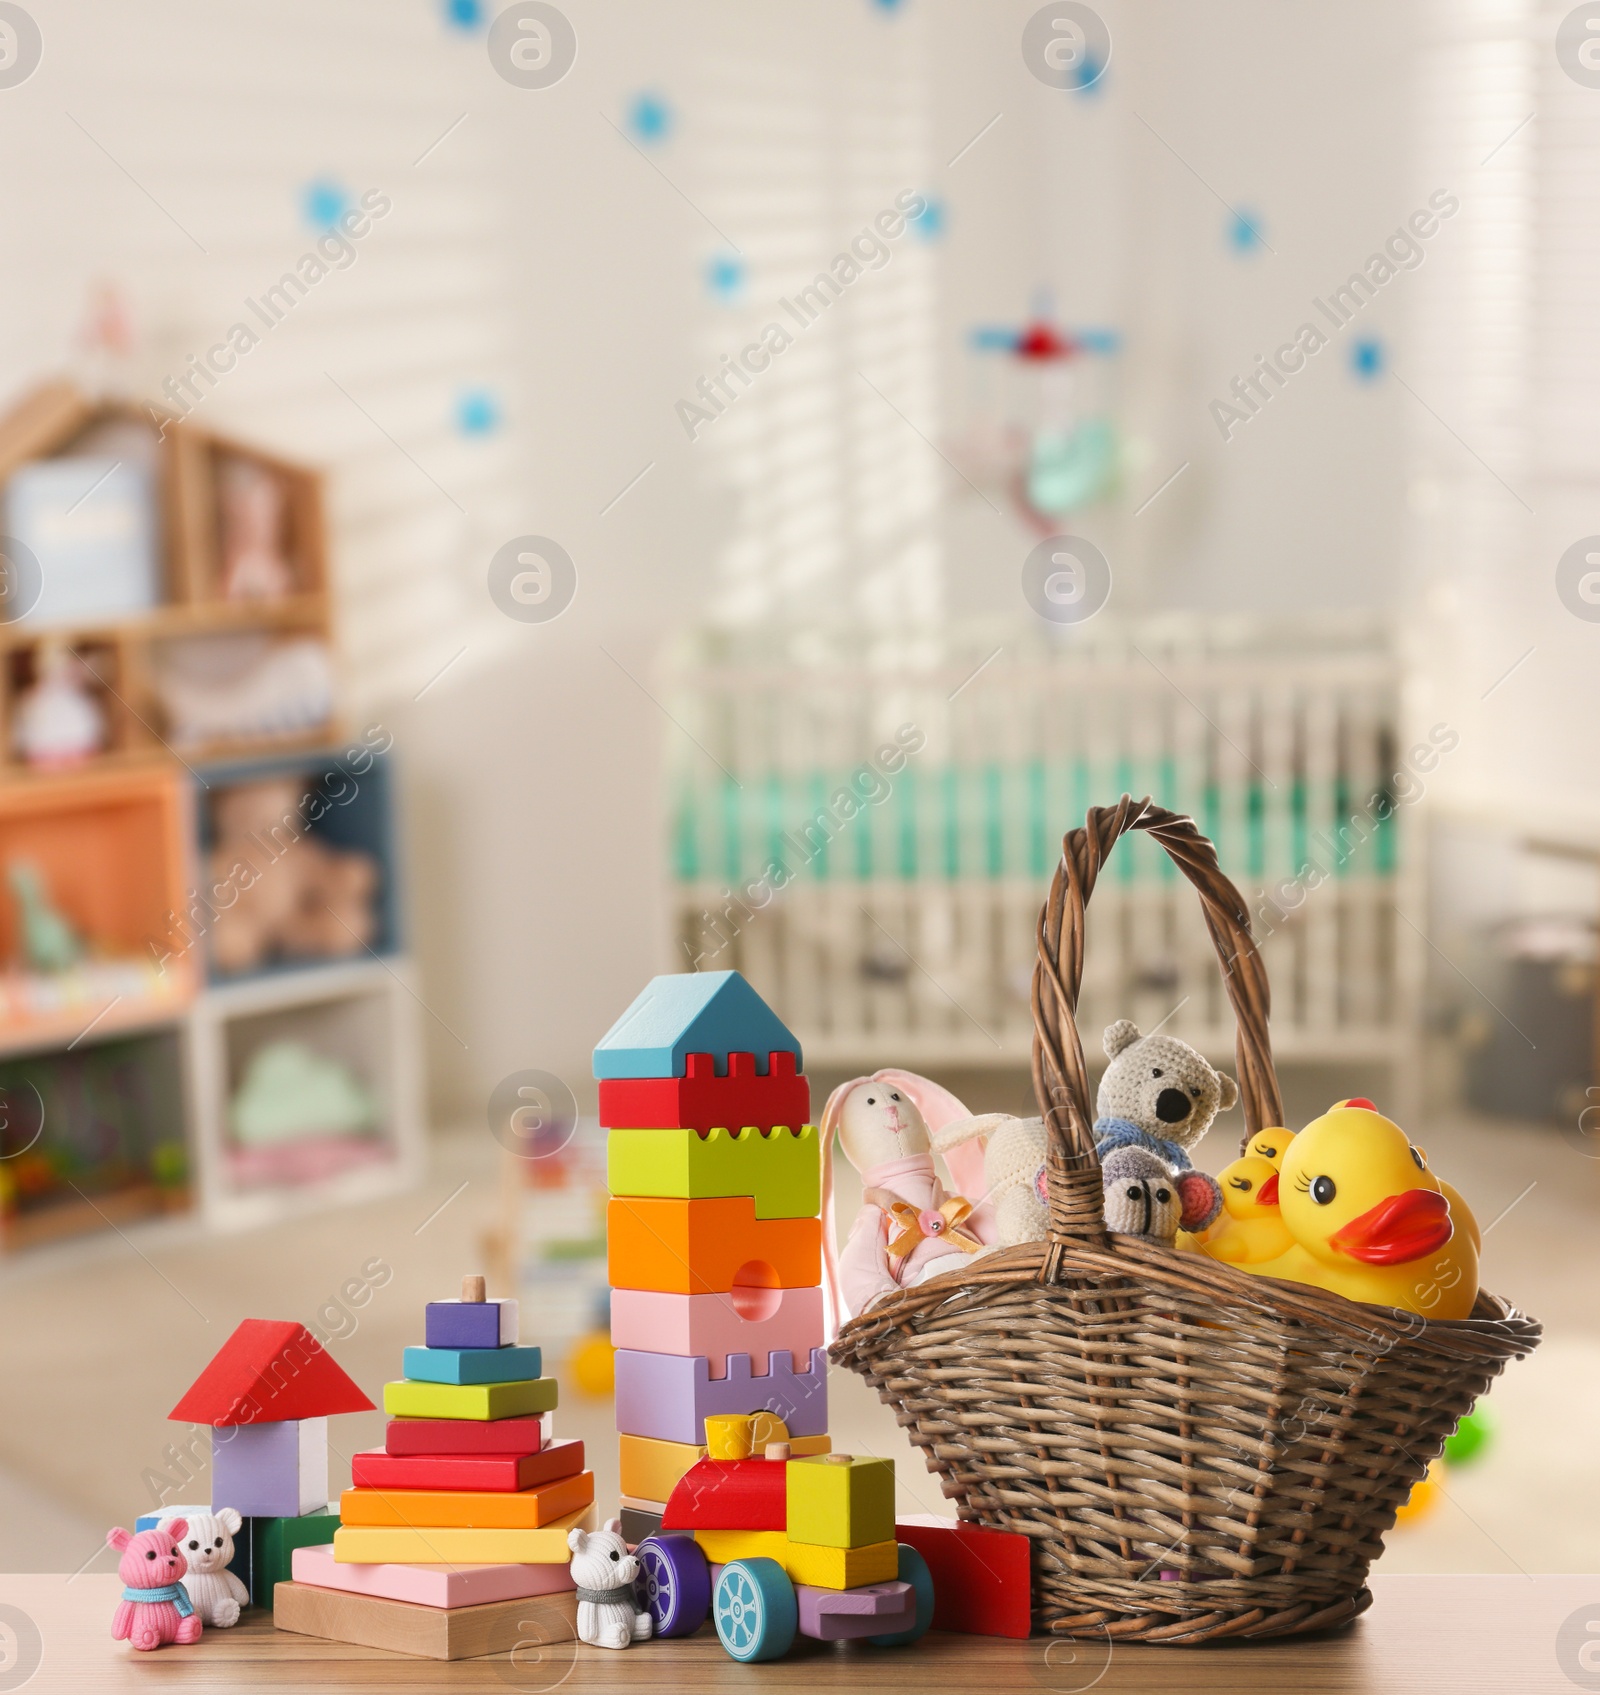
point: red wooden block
(496, 1473)
(464, 1435)
(981, 1583)
(701, 1100)
(729, 1495)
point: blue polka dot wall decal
(1244, 232)
(1367, 359)
(725, 276)
(1091, 75)
(928, 225)
(463, 14)
(650, 118)
(324, 202)
(477, 412)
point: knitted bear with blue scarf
(1160, 1095)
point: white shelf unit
(363, 1015)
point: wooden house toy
(268, 1395)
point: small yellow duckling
(1251, 1229)
(1369, 1220)
(1271, 1145)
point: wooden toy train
(780, 1546)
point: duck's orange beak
(1268, 1196)
(1401, 1228)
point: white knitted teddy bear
(609, 1615)
(1013, 1171)
(216, 1592)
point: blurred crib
(903, 931)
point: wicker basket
(1197, 1452)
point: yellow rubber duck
(1251, 1229)
(1370, 1221)
(1271, 1145)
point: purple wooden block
(272, 1470)
(841, 1615)
(670, 1396)
(470, 1324)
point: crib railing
(865, 827)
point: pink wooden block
(843, 1615)
(714, 1325)
(429, 1586)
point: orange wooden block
(468, 1509)
(709, 1247)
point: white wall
(536, 251)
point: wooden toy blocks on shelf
(701, 1100)
(431, 1585)
(981, 1577)
(471, 1365)
(715, 1012)
(708, 1247)
(469, 1400)
(840, 1500)
(362, 1544)
(749, 1320)
(378, 1469)
(433, 1632)
(468, 1509)
(781, 1169)
(427, 1436)
(669, 1396)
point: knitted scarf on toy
(174, 1592)
(1112, 1133)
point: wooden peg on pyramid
(474, 1290)
(776, 1451)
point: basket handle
(1060, 1079)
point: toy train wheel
(755, 1610)
(913, 1570)
(674, 1584)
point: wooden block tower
(714, 1242)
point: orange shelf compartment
(112, 847)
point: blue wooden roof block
(714, 1012)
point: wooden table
(1496, 1635)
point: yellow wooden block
(840, 1500)
(362, 1544)
(781, 1170)
(805, 1562)
(743, 1436)
(470, 1400)
(651, 1468)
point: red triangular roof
(270, 1369)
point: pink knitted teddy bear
(155, 1606)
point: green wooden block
(470, 1400)
(272, 1545)
(782, 1171)
(840, 1500)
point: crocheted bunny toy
(155, 1607)
(1141, 1197)
(909, 1226)
(609, 1615)
(1013, 1179)
(1159, 1094)
(216, 1592)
